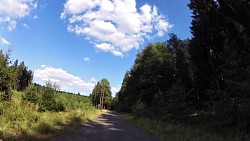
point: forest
(204, 80)
(201, 81)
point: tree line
(202, 80)
(18, 77)
(15, 76)
(101, 94)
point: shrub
(44, 128)
(5, 95)
(47, 101)
(139, 109)
(31, 94)
(59, 106)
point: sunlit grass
(18, 117)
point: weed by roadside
(21, 119)
(177, 132)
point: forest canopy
(205, 79)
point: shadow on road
(107, 127)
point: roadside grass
(178, 132)
(20, 119)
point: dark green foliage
(24, 77)
(44, 97)
(160, 79)
(31, 94)
(5, 93)
(220, 55)
(139, 109)
(47, 100)
(17, 77)
(20, 76)
(204, 80)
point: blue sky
(75, 43)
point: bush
(44, 128)
(139, 109)
(59, 106)
(5, 95)
(31, 94)
(47, 101)
(73, 102)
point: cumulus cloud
(93, 80)
(67, 81)
(114, 90)
(12, 10)
(108, 48)
(86, 59)
(114, 26)
(4, 42)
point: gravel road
(108, 127)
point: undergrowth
(177, 131)
(19, 117)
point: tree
(220, 54)
(25, 77)
(96, 94)
(159, 69)
(206, 48)
(101, 94)
(236, 70)
(14, 75)
(5, 93)
(47, 100)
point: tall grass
(178, 132)
(20, 117)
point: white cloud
(114, 90)
(12, 10)
(26, 26)
(67, 81)
(12, 25)
(114, 26)
(108, 48)
(78, 6)
(86, 59)
(93, 80)
(4, 42)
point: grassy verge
(21, 120)
(178, 132)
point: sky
(76, 43)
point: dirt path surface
(108, 127)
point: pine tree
(5, 93)
(206, 47)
